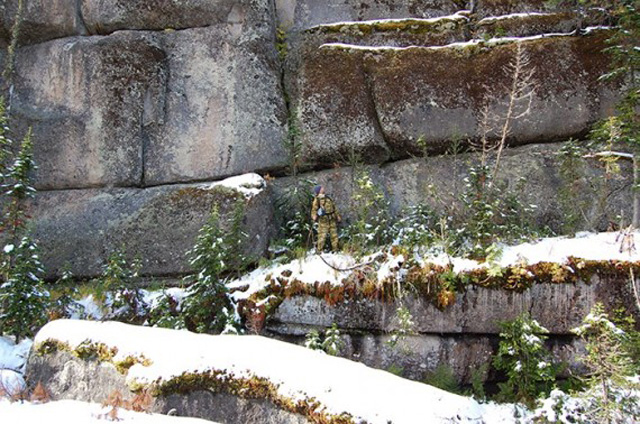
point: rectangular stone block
(87, 99)
(225, 112)
(80, 228)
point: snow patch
(461, 15)
(13, 357)
(298, 373)
(12, 382)
(493, 19)
(248, 184)
(75, 412)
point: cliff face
(133, 103)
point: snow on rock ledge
(295, 375)
(248, 184)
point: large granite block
(225, 112)
(80, 228)
(88, 100)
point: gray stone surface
(527, 25)
(463, 336)
(67, 377)
(227, 409)
(88, 100)
(388, 104)
(439, 95)
(301, 14)
(106, 17)
(138, 109)
(558, 307)
(505, 7)
(224, 109)
(532, 173)
(43, 20)
(334, 110)
(418, 356)
(82, 227)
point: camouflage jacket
(324, 208)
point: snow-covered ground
(74, 412)
(339, 384)
(313, 268)
(298, 373)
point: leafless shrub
(498, 115)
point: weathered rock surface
(82, 227)
(67, 377)
(411, 101)
(558, 307)
(42, 20)
(301, 14)
(139, 108)
(224, 113)
(88, 100)
(527, 25)
(535, 174)
(253, 17)
(418, 356)
(228, 409)
(505, 7)
(463, 335)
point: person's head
(318, 190)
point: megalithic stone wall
(130, 99)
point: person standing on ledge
(325, 213)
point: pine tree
(23, 298)
(119, 277)
(206, 307)
(613, 392)
(332, 342)
(525, 360)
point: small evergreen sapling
(405, 326)
(23, 298)
(119, 276)
(371, 210)
(312, 340)
(333, 342)
(614, 392)
(63, 303)
(293, 212)
(525, 360)
(207, 304)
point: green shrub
(23, 298)
(523, 357)
(372, 223)
(119, 278)
(613, 382)
(443, 378)
(207, 304)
